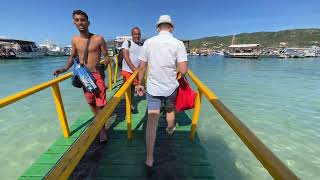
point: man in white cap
(163, 54)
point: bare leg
(102, 133)
(152, 124)
(170, 116)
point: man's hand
(59, 71)
(106, 63)
(139, 90)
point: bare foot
(149, 163)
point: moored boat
(21, 49)
(242, 51)
(52, 49)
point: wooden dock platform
(176, 156)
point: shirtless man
(97, 48)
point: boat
(282, 55)
(67, 50)
(269, 53)
(294, 52)
(120, 39)
(52, 49)
(203, 54)
(242, 50)
(21, 49)
(219, 53)
(6, 50)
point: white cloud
(3, 37)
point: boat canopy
(244, 45)
(15, 40)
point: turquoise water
(277, 99)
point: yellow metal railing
(56, 96)
(116, 68)
(271, 162)
(69, 161)
(71, 158)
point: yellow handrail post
(110, 76)
(128, 112)
(116, 70)
(196, 114)
(60, 110)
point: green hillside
(294, 38)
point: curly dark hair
(80, 12)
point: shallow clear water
(277, 99)
(28, 127)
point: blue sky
(40, 20)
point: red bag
(185, 96)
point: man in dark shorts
(162, 55)
(96, 48)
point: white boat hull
(241, 55)
(29, 55)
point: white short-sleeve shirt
(134, 52)
(162, 53)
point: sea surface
(278, 99)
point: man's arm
(104, 51)
(126, 57)
(69, 62)
(142, 69)
(183, 67)
(182, 59)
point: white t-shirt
(162, 53)
(134, 52)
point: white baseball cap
(164, 19)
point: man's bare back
(96, 49)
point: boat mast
(232, 40)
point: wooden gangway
(178, 156)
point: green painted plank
(78, 130)
(64, 141)
(55, 149)
(126, 171)
(30, 178)
(201, 171)
(82, 120)
(121, 178)
(39, 170)
(49, 158)
(158, 178)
